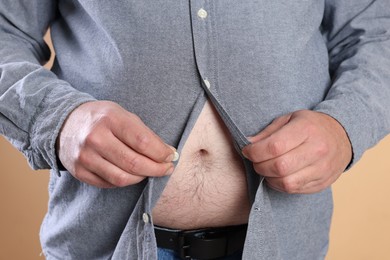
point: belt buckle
(183, 248)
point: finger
(319, 184)
(132, 162)
(315, 186)
(134, 133)
(271, 128)
(92, 162)
(92, 179)
(290, 162)
(295, 183)
(117, 153)
(311, 179)
(281, 141)
(115, 175)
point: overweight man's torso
(208, 187)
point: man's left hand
(302, 152)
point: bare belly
(208, 187)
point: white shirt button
(202, 13)
(145, 217)
(207, 83)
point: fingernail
(176, 156)
(173, 157)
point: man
(267, 103)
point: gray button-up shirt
(254, 59)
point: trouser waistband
(207, 243)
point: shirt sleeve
(358, 39)
(33, 101)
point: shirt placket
(204, 29)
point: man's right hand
(104, 145)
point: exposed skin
(301, 152)
(104, 145)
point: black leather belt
(208, 243)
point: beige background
(360, 227)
